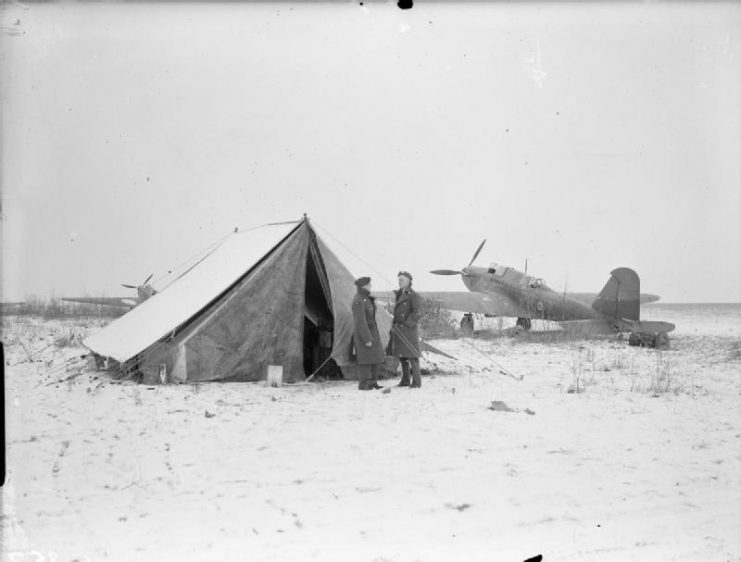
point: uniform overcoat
(407, 313)
(365, 329)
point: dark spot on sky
(405, 4)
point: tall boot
(373, 383)
(404, 372)
(416, 375)
(364, 375)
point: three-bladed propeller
(463, 272)
(142, 285)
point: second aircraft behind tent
(143, 292)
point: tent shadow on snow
(272, 295)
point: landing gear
(467, 324)
(523, 325)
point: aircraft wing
(589, 298)
(121, 302)
(477, 303)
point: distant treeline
(54, 308)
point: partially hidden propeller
(142, 285)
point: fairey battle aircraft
(504, 291)
(143, 292)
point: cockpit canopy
(516, 277)
(535, 282)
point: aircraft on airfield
(504, 291)
(143, 292)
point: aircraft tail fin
(621, 296)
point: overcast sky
(580, 137)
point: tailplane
(620, 297)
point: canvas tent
(273, 295)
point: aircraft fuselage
(530, 293)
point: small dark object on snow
(459, 507)
(386, 391)
(209, 414)
(529, 411)
(499, 406)
(537, 558)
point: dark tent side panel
(259, 322)
(342, 288)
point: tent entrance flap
(318, 321)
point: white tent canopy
(159, 315)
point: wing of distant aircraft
(122, 302)
(144, 291)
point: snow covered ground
(642, 463)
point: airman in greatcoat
(366, 339)
(404, 341)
